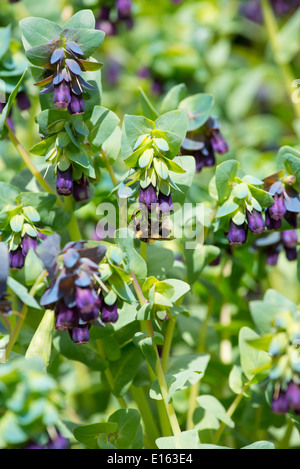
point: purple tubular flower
(124, 8)
(59, 443)
(165, 203)
(148, 196)
(16, 259)
(256, 222)
(272, 224)
(291, 254)
(81, 189)
(62, 95)
(88, 303)
(27, 243)
(80, 335)
(65, 317)
(23, 101)
(278, 210)
(292, 218)
(272, 257)
(289, 238)
(218, 142)
(280, 404)
(293, 397)
(76, 104)
(237, 234)
(64, 181)
(109, 313)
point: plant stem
(230, 412)
(29, 163)
(109, 168)
(72, 226)
(147, 326)
(272, 30)
(200, 349)
(108, 374)
(147, 416)
(23, 315)
(167, 343)
(284, 443)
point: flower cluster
(204, 143)
(74, 292)
(18, 253)
(63, 77)
(110, 17)
(272, 244)
(283, 349)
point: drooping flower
(278, 210)
(288, 399)
(64, 181)
(204, 143)
(165, 203)
(23, 101)
(286, 201)
(256, 221)
(109, 313)
(81, 189)
(28, 242)
(16, 258)
(148, 196)
(237, 234)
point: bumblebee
(149, 229)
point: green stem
(29, 163)
(72, 226)
(109, 168)
(272, 29)
(284, 443)
(147, 326)
(194, 389)
(168, 343)
(146, 413)
(108, 374)
(23, 314)
(230, 412)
